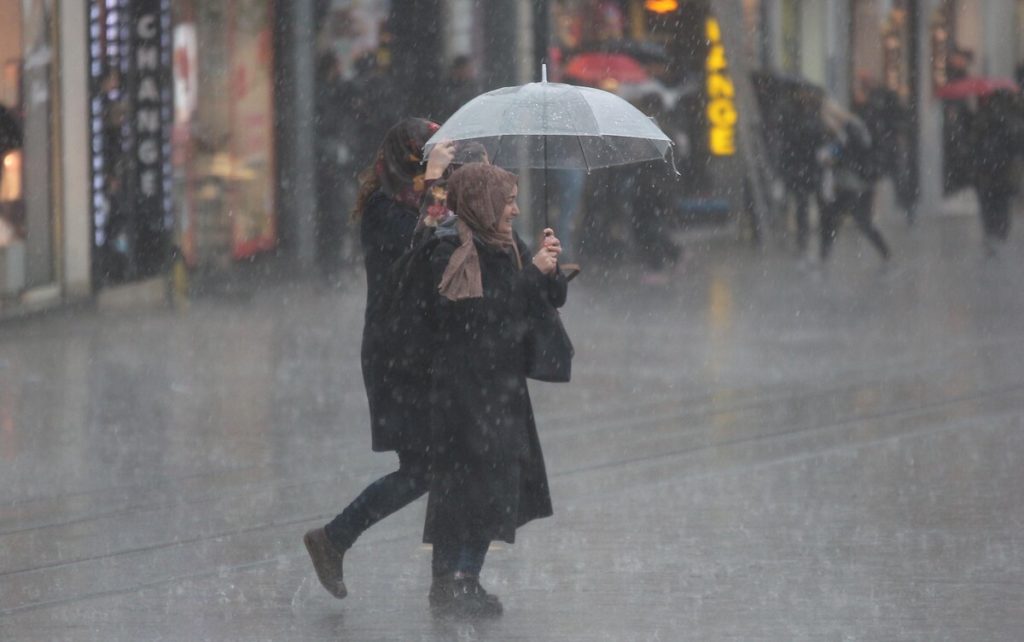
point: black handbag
(549, 351)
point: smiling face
(510, 211)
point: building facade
(141, 134)
(44, 168)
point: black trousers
(858, 205)
(381, 498)
(463, 557)
(995, 213)
(803, 203)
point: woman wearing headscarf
(387, 210)
(488, 475)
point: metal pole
(749, 139)
(525, 71)
(298, 193)
(544, 79)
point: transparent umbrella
(552, 125)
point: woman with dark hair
(487, 470)
(387, 210)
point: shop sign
(131, 108)
(661, 6)
(721, 109)
(149, 89)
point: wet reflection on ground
(753, 451)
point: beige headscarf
(477, 193)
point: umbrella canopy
(596, 68)
(552, 125)
(972, 86)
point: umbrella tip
(543, 72)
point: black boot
(327, 561)
(462, 597)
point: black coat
(488, 475)
(800, 137)
(998, 138)
(398, 400)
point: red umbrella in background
(596, 68)
(974, 86)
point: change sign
(150, 99)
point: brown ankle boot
(327, 561)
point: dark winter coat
(488, 474)
(799, 141)
(998, 131)
(398, 401)
(887, 122)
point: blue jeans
(381, 498)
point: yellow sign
(721, 110)
(661, 6)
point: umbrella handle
(672, 159)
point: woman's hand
(546, 259)
(439, 159)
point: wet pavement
(753, 452)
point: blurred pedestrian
(331, 181)
(850, 169)
(387, 210)
(957, 126)
(653, 189)
(460, 87)
(889, 122)
(998, 137)
(488, 475)
(373, 105)
(958, 63)
(802, 133)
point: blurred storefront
(44, 175)
(223, 164)
(28, 223)
(669, 59)
(131, 98)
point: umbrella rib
(583, 151)
(497, 150)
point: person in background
(889, 123)
(847, 180)
(958, 63)
(387, 210)
(371, 106)
(998, 137)
(653, 189)
(460, 87)
(330, 175)
(487, 470)
(802, 133)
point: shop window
(26, 145)
(223, 159)
(131, 103)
